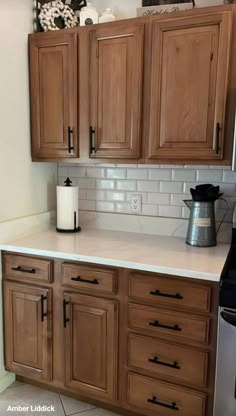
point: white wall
(26, 188)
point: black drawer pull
(168, 406)
(92, 148)
(65, 319)
(23, 270)
(43, 314)
(70, 139)
(80, 279)
(218, 130)
(156, 361)
(158, 325)
(166, 295)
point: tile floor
(25, 395)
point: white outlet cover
(136, 204)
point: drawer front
(162, 358)
(151, 397)
(164, 322)
(27, 268)
(169, 291)
(89, 278)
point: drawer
(89, 277)
(168, 291)
(168, 359)
(27, 268)
(151, 397)
(163, 322)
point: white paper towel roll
(67, 206)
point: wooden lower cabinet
(99, 334)
(91, 341)
(28, 337)
(156, 398)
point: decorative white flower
(50, 11)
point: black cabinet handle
(166, 295)
(80, 279)
(155, 360)
(23, 270)
(171, 406)
(158, 325)
(65, 319)
(218, 130)
(70, 139)
(43, 314)
(92, 148)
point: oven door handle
(229, 317)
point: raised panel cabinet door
(116, 70)
(28, 330)
(189, 72)
(53, 81)
(91, 339)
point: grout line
(75, 413)
(62, 404)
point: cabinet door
(28, 338)
(189, 72)
(116, 67)
(91, 340)
(53, 76)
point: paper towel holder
(76, 228)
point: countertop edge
(111, 262)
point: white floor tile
(27, 396)
(16, 384)
(97, 412)
(72, 406)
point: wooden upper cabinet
(116, 70)
(188, 87)
(91, 342)
(28, 331)
(53, 81)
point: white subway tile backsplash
(148, 209)
(105, 206)
(127, 185)
(115, 196)
(171, 187)
(158, 198)
(170, 211)
(85, 205)
(178, 199)
(96, 195)
(184, 175)
(148, 186)
(62, 171)
(160, 174)
(86, 183)
(137, 173)
(105, 184)
(229, 176)
(144, 196)
(209, 175)
(123, 207)
(76, 171)
(116, 173)
(109, 187)
(95, 172)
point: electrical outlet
(136, 204)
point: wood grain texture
(116, 70)
(189, 80)
(111, 329)
(91, 339)
(19, 267)
(105, 278)
(140, 389)
(53, 86)
(162, 290)
(27, 338)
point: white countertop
(168, 255)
